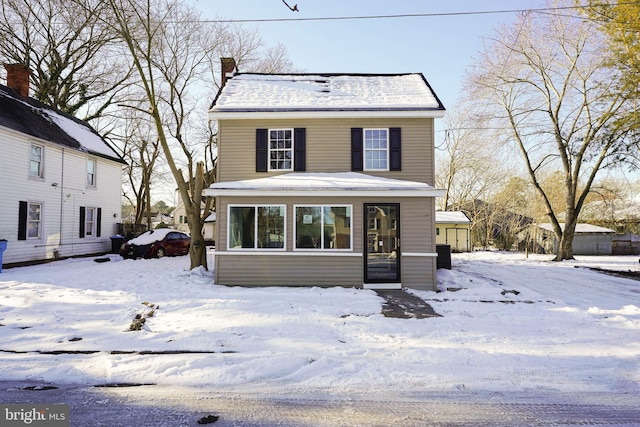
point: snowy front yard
(509, 323)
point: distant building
(453, 228)
(588, 239)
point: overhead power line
(414, 15)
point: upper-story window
(91, 173)
(376, 149)
(281, 149)
(36, 161)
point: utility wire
(413, 15)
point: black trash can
(116, 242)
(444, 256)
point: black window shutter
(262, 150)
(300, 149)
(82, 219)
(98, 222)
(22, 221)
(395, 149)
(356, 149)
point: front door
(382, 245)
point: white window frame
(372, 150)
(255, 227)
(40, 175)
(90, 226)
(322, 225)
(280, 150)
(39, 221)
(94, 162)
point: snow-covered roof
(452, 217)
(580, 228)
(323, 184)
(33, 118)
(247, 95)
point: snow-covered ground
(510, 323)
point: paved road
(175, 406)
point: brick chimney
(227, 65)
(18, 78)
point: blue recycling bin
(3, 246)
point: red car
(156, 244)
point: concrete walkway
(403, 305)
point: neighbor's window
(280, 149)
(34, 221)
(91, 173)
(323, 227)
(256, 227)
(36, 161)
(90, 222)
(376, 149)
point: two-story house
(325, 180)
(61, 182)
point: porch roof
(342, 184)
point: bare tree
(545, 82)
(169, 49)
(469, 167)
(173, 52)
(77, 64)
(140, 148)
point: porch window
(256, 227)
(323, 227)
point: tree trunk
(565, 242)
(198, 249)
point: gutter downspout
(57, 251)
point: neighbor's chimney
(227, 65)
(18, 78)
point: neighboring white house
(453, 228)
(61, 182)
